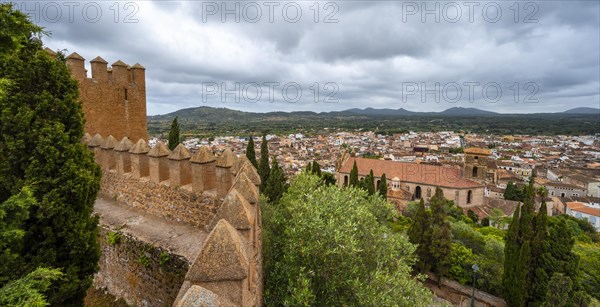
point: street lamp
(475, 268)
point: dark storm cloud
(371, 51)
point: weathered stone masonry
(217, 195)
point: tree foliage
(276, 184)
(368, 183)
(354, 175)
(174, 134)
(382, 189)
(420, 234)
(331, 247)
(251, 152)
(41, 125)
(535, 254)
(29, 290)
(441, 236)
(513, 192)
(263, 167)
(315, 169)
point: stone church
(413, 181)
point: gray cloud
(373, 50)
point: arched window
(469, 196)
(346, 180)
(418, 192)
(475, 171)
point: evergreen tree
(316, 168)
(471, 214)
(419, 233)
(263, 167)
(509, 192)
(174, 134)
(541, 259)
(328, 178)
(369, 183)
(276, 184)
(441, 235)
(558, 290)
(41, 126)
(251, 153)
(308, 168)
(354, 175)
(383, 187)
(512, 282)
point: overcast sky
(421, 56)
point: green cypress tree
(509, 192)
(251, 153)
(316, 168)
(383, 187)
(174, 134)
(441, 236)
(541, 258)
(419, 233)
(370, 183)
(263, 166)
(41, 126)
(354, 176)
(511, 261)
(276, 184)
(518, 266)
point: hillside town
(568, 167)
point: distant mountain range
(582, 111)
(404, 112)
(369, 112)
(218, 121)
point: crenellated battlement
(119, 73)
(218, 193)
(114, 98)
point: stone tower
(476, 160)
(114, 99)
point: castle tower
(476, 160)
(114, 99)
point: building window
(346, 180)
(126, 94)
(578, 215)
(475, 172)
(552, 193)
(469, 196)
(418, 192)
(593, 220)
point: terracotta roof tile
(581, 207)
(411, 172)
(477, 151)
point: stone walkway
(181, 239)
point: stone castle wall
(215, 194)
(133, 269)
(114, 99)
